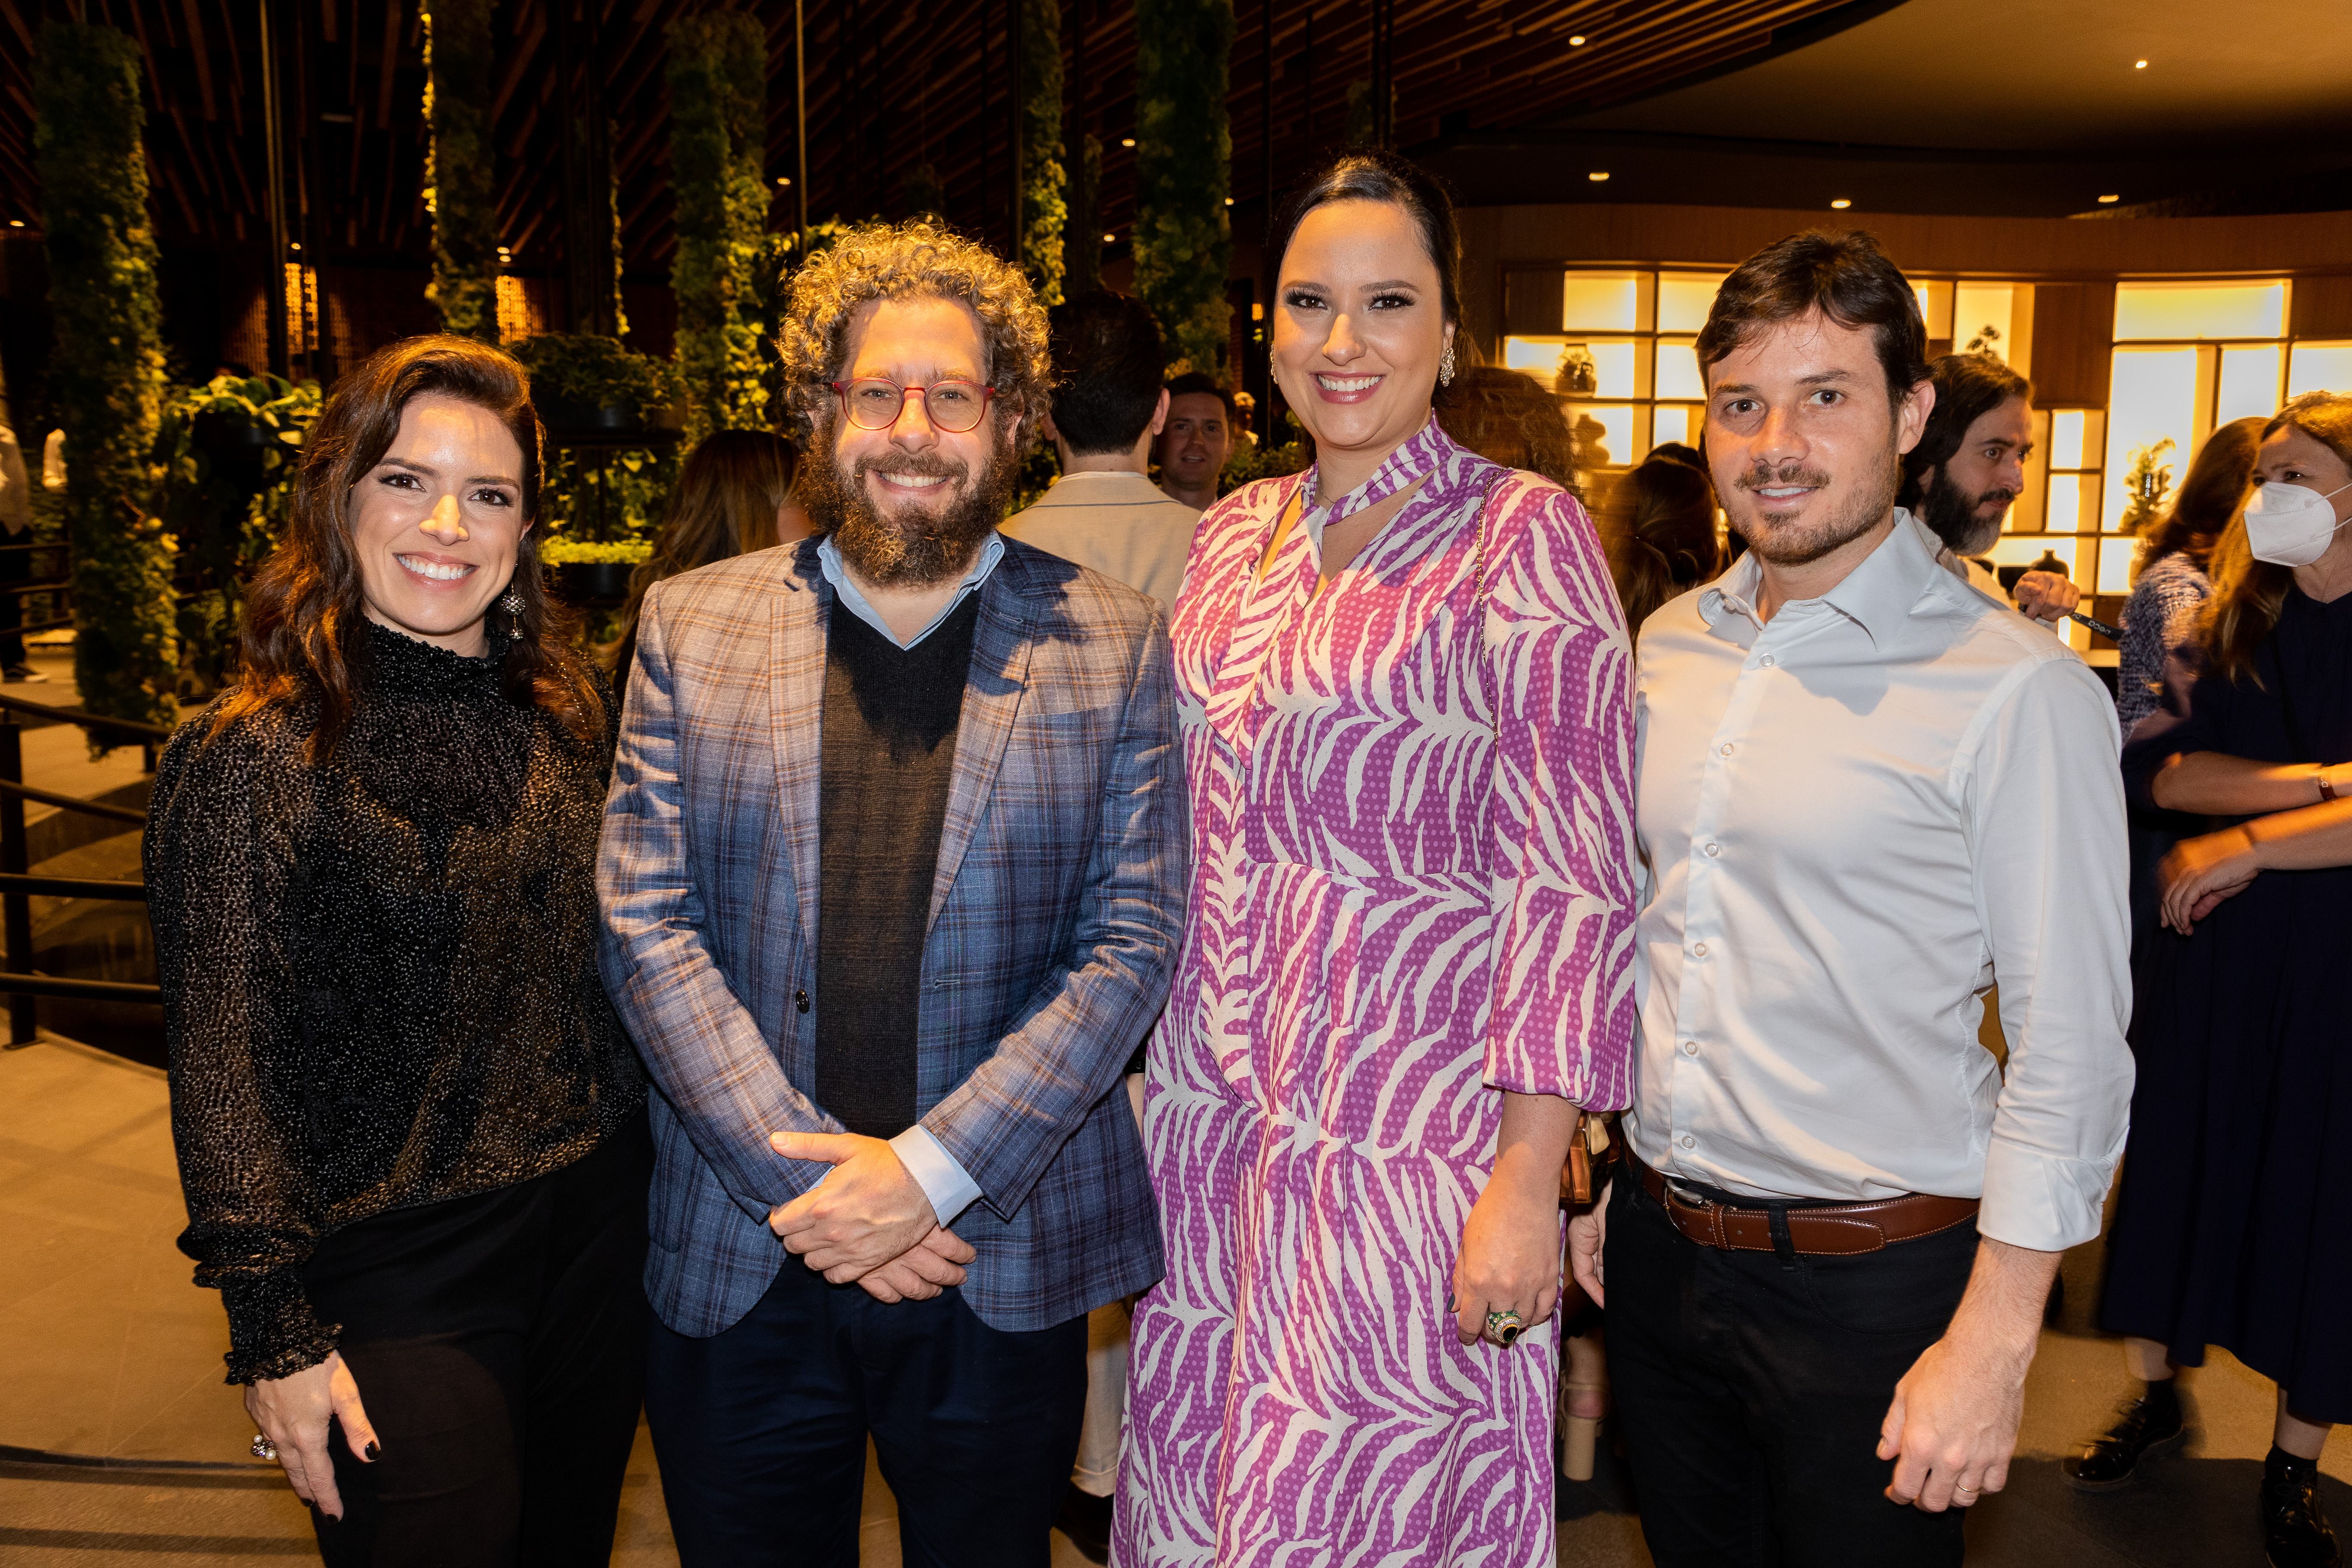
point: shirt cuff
(949, 1186)
(2048, 1203)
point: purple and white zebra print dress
(1373, 845)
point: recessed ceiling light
(783, 179)
(1127, 140)
(1576, 41)
(1229, 201)
(16, 222)
(2139, 65)
(1598, 176)
(1842, 204)
(2110, 198)
(1111, 240)
(297, 245)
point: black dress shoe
(2295, 1532)
(1086, 1520)
(2144, 1428)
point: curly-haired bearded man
(891, 878)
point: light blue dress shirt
(945, 1182)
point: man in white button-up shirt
(1865, 794)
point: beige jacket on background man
(1116, 522)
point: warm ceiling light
(1598, 176)
(1841, 204)
(2106, 199)
(297, 245)
(1127, 140)
(1229, 201)
(1111, 240)
(2139, 65)
(16, 222)
(783, 180)
(1576, 41)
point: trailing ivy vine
(1183, 162)
(1042, 210)
(601, 495)
(458, 167)
(718, 98)
(107, 371)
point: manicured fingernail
(374, 1450)
(1449, 1302)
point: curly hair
(906, 260)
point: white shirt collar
(828, 560)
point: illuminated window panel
(2200, 310)
(2250, 383)
(1981, 314)
(1678, 371)
(2154, 399)
(1540, 357)
(2319, 367)
(1934, 298)
(1601, 302)
(2115, 558)
(1685, 298)
(1619, 368)
(1681, 422)
(2068, 426)
(1606, 436)
(2071, 497)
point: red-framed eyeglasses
(874, 403)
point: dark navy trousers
(761, 1429)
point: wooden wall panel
(2074, 337)
(2322, 307)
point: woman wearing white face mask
(2241, 1120)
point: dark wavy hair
(1660, 536)
(304, 608)
(1507, 416)
(2208, 497)
(1967, 387)
(1847, 277)
(725, 503)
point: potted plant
(595, 575)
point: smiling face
(909, 503)
(1805, 451)
(437, 522)
(1359, 329)
(1196, 441)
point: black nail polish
(1449, 1302)
(374, 1450)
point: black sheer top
(379, 973)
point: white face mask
(2291, 525)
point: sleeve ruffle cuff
(272, 1332)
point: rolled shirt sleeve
(2046, 805)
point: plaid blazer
(1052, 926)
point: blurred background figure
(1661, 536)
(1507, 416)
(1197, 440)
(734, 496)
(1970, 468)
(2226, 1232)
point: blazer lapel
(992, 697)
(796, 640)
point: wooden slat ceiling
(888, 86)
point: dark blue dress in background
(2235, 1223)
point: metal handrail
(72, 888)
(72, 803)
(134, 728)
(30, 985)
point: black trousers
(1751, 1389)
(761, 1429)
(498, 1345)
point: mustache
(1789, 473)
(1995, 497)
(925, 465)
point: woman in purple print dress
(1404, 684)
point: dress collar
(1416, 456)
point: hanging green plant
(224, 466)
(599, 493)
(717, 96)
(107, 371)
(458, 166)
(1042, 210)
(1183, 166)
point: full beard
(918, 546)
(1796, 544)
(1958, 519)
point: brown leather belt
(1834, 1231)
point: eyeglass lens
(952, 406)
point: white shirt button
(1688, 1141)
(1713, 850)
(1725, 748)
(1767, 661)
(1700, 949)
(1690, 1047)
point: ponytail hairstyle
(2249, 594)
(1663, 539)
(305, 609)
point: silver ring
(263, 1448)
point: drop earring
(512, 605)
(1445, 365)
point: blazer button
(800, 1000)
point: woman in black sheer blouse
(411, 1131)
